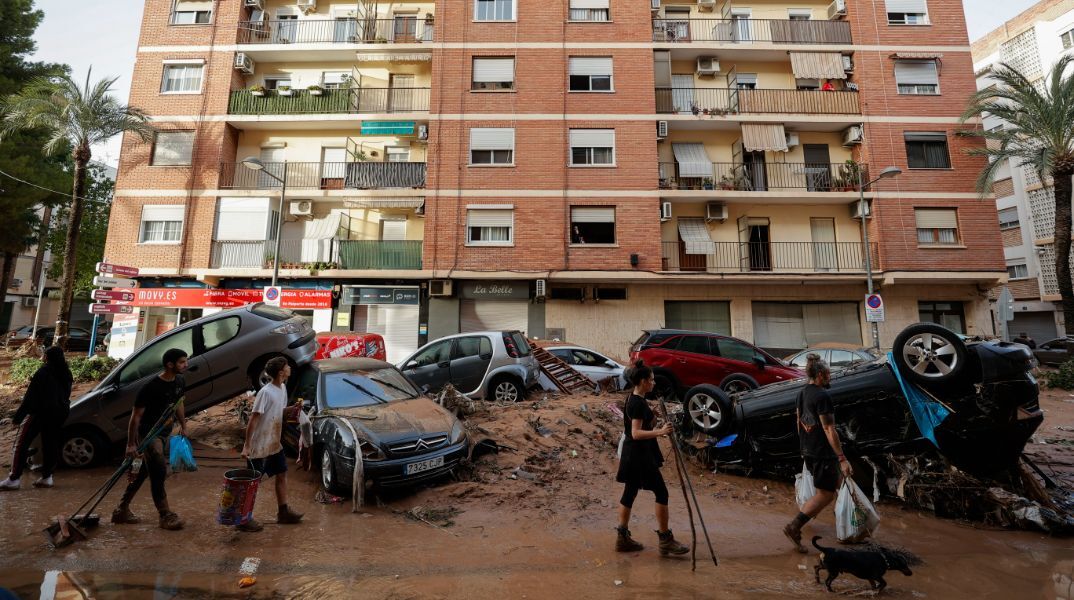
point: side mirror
(411, 364)
(425, 389)
(611, 365)
(759, 361)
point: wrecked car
(982, 393)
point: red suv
(682, 359)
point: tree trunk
(1062, 239)
(7, 269)
(81, 157)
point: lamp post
(255, 164)
(863, 210)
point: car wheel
(328, 473)
(506, 389)
(256, 373)
(929, 353)
(709, 409)
(83, 448)
(665, 388)
(738, 383)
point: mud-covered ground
(533, 522)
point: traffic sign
(874, 308)
(109, 269)
(105, 281)
(1005, 305)
(271, 295)
(112, 296)
(110, 309)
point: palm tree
(1038, 131)
(74, 118)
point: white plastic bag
(803, 486)
(855, 518)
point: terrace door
(401, 93)
(818, 168)
(273, 159)
(824, 247)
(286, 28)
(333, 168)
(756, 170)
(682, 93)
(405, 29)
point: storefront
(494, 306)
(391, 311)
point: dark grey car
(1055, 352)
(494, 365)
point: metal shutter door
(1039, 325)
(778, 325)
(398, 325)
(493, 315)
(832, 322)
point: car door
(470, 358)
(1052, 352)
(696, 361)
(222, 358)
(431, 366)
(593, 365)
(738, 357)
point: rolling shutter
(490, 217)
(916, 72)
(493, 315)
(592, 138)
(598, 4)
(397, 324)
(591, 66)
(906, 6)
(492, 138)
(239, 219)
(494, 70)
(592, 214)
(162, 212)
(936, 218)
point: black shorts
(270, 466)
(825, 472)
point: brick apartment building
(581, 169)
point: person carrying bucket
(155, 399)
(263, 447)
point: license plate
(424, 465)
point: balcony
(721, 101)
(331, 101)
(317, 254)
(401, 30)
(763, 177)
(326, 176)
(745, 31)
(769, 257)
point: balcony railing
(762, 177)
(402, 30)
(317, 254)
(326, 176)
(725, 100)
(331, 101)
(766, 257)
(744, 31)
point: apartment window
(161, 224)
(592, 147)
(590, 74)
(592, 225)
(493, 74)
(192, 12)
(746, 81)
(799, 14)
(1008, 218)
(335, 80)
(1018, 271)
(275, 83)
(936, 226)
(398, 153)
(807, 84)
(172, 148)
(927, 150)
(492, 146)
(589, 10)
(1067, 39)
(948, 314)
(494, 10)
(907, 12)
(917, 77)
(490, 226)
(182, 77)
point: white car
(591, 363)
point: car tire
(929, 353)
(738, 383)
(83, 448)
(665, 387)
(708, 409)
(506, 389)
(256, 373)
(328, 473)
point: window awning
(764, 136)
(695, 235)
(693, 160)
(817, 65)
(388, 127)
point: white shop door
(397, 324)
(493, 315)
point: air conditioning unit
(837, 9)
(665, 211)
(423, 132)
(848, 63)
(661, 129)
(15, 284)
(244, 63)
(708, 65)
(258, 4)
(715, 211)
(420, 211)
(29, 302)
(302, 208)
(792, 139)
(655, 5)
(440, 288)
(540, 288)
(306, 6)
(706, 4)
(855, 210)
(853, 135)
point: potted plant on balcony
(257, 90)
(849, 176)
(706, 183)
(727, 182)
(284, 90)
(315, 90)
(270, 260)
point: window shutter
(162, 212)
(494, 70)
(906, 6)
(925, 136)
(936, 218)
(241, 219)
(591, 66)
(492, 138)
(393, 230)
(592, 138)
(592, 214)
(173, 148)
(191, 5)
(1008, 215)
(589, 4)
(916, 72)
(490, 217)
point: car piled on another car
(493, 365)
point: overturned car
(974, 401)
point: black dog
(870, 563)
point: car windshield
(348, 389)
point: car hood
(398, 419)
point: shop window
(714, 316)
(604, 293)
(592, 225)
(948, 314)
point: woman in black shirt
(43, 410)
(639, 465)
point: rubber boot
(286, 516)
(122, 515)
(793, 531)
(625, 543)
(669, 545)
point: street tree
(92, 234)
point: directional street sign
(111, 309)
(113, 282)
(120, 270)
(112, 296)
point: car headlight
(370, 451)
(458, 431)
(290, 328)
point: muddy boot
(250, 526)
(122, 515)
(625, 543)
(793, 531)
(170, 521)
(669, 545)
(286, 516)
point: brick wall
(1003, 188)
(157, 30)
(544, 21)
(1024, 289)
(1012, 238)
(124, 229)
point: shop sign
(222, 298)
(496, 289)
(379, 295)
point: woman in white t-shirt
(263, 448)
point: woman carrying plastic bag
(855, 518)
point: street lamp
(255, 164)
(863, 211)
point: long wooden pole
(684, 478)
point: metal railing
(766, 257)
(402, 30)
(744, 31)
(375, 254)
(326, 176)
(317, 254)
(721, 101)
(762, 177)
(330, 101)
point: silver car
(592, 364)
(228, 351)
(495, 365)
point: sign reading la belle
(481, 290)
(494, 289)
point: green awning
(388, 127)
